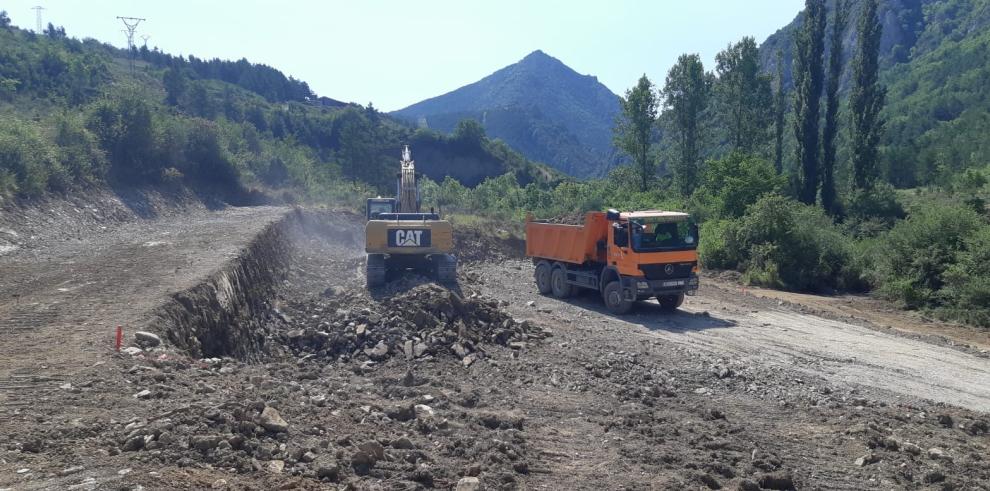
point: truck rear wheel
(614, 300)
(558, 283)
(375, 270)
(542, 274)
(670, 302)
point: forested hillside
(540, 107)
(934, 59)
(82, 112)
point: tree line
(738, 108)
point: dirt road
(724, 322)
(61, 301)
(415, 386)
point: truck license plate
(674, 283)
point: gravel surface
(482, 385)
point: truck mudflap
(643, 288)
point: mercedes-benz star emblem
(669, 269)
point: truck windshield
(661, 234)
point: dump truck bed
(576, 244)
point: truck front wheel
(542, 275)
(670, 302)
(614, 300)
(558, 283)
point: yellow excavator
(399, 237)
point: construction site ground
(480, 385)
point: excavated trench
(227, 314)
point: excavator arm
(408, 193)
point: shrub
(967, 282)
(28, 163)
(208, 163)
(913, 257)
(78, 149)
(781, 243)
(873, 211)
(716, 249)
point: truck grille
(659, 271)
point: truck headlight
(693, 280)
(642, 285)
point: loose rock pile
(425, 321)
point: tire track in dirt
(842, 352)
(801, 390)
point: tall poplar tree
(779, 109)
(634, 131)
(685, 97)
(866, 99)
(744, 96)
(808, 81)
(831, 128)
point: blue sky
(395, 53)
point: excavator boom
(408, 192)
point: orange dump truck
(625, 256)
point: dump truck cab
(652, 254)
(625, 256)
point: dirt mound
(425, 321)
(478, 245)
(574, 218)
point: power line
(37, 9)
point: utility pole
(146, 38)
(131, 24)
(37, 9)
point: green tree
(8, 86)
(634, 131)
(866, 98)
(201, 102)
(731, 184)
(468, 133)
(125, 132)
(808, 78)
(744, 95)
(831, 128)
(55, 32)
(779, 109)
(4, 19)
(175, 85)
(685, 96)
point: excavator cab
(379, 206)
